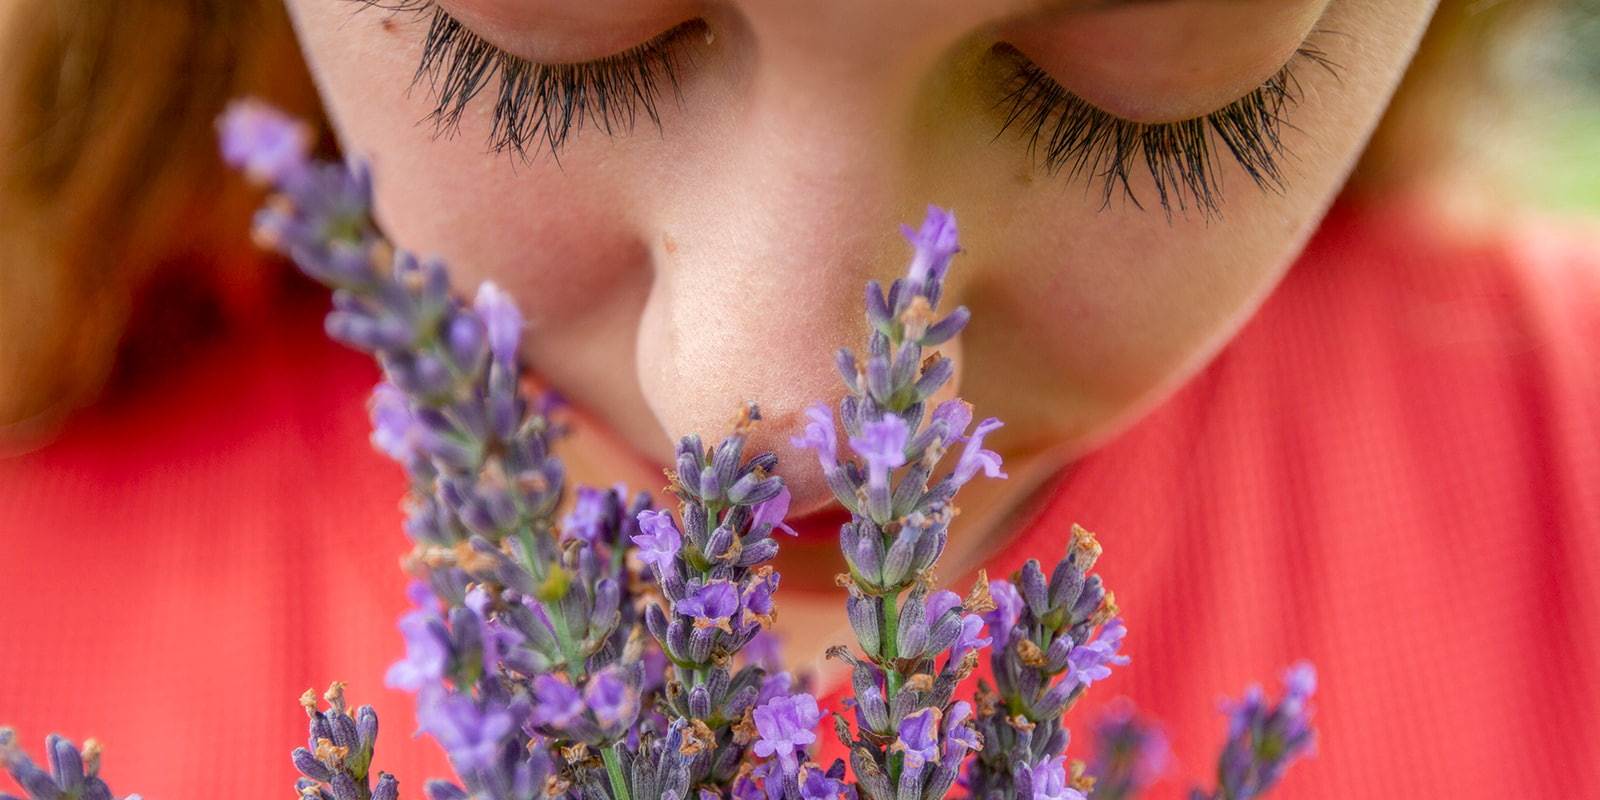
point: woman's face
(692, 215)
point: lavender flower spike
(901, 495)
(1264, 740)
(1130, 753)
(336, 762)
(73, 774)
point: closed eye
(536, 106)
(1065, 133)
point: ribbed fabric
(1392, 471)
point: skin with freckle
(670, 273)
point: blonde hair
(108, 180)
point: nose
(761, 251)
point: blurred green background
(1545, 144)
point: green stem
(619, 786)
(569, 648)
(558, 620)
(888, 626)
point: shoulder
(1427, 325)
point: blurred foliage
(1547, 147)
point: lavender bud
(863, 613)
(877, 307)
(879, 386)
(502, 319)
(1033, 588)
(387, 789)
(309, 766)
(1066, 581)
(725, 464)
(443, 790)
(688, 466)
(344, 787)
(946, 329)
(845, 362)
(65, 762)
(934, 378)
(912, 630)
(900, 560)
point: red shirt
(1393, 471)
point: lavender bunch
(335, 763)
(73, 775)
(1264, 739)
(610, 654)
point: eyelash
(535, 103)
(1181, 157)
(549, 103)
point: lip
(819, 525)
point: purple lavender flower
(503, 320)
(260, 140)
(819, 435)
(936, 242)
(1300, 682)
(497, 639)
(757, 597)
(1092, 660)
(427, 645)
(555, 703)
(609, 697)
(956, 415)
(338, 751)
(587, 519)
(960, 738)
(470, 732)
(712, 605)
(765, 650)
(785, 725)
(974, 457)
(1049, 781)
(395, 429)
(970, 638)
(775, 684)
(660, 541)
(772, 511)
(882, 444)
(918, 737)
(815, 784)
(1002, 620)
